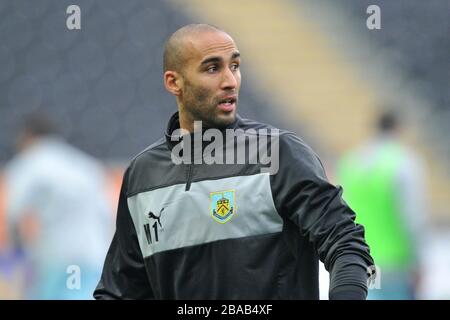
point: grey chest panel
(229, 208)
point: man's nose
(229, 81)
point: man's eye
(234, 66)
(211, 69)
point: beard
(201, 104)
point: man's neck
(186, 122)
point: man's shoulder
(145, 166)
(253, 126)
(291, 147)
(250, 124)
(149, 152)
(287, 138)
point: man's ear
(173, 82)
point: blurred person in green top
(384, 183)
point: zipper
(189, 177)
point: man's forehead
(209, 43)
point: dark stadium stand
(101, 84)
(418, 31)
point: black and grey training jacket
(231, 231)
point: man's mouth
(228, 103)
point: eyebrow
(219, 59)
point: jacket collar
(174, 123)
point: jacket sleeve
(124, 275)
(303, 195)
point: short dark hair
(388, 121)
(173, 58)
(38, 124)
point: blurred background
(77, 105)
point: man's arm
(303, 195)
(124, 275)
(24, 187)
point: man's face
(211, 79)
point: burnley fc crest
(222, 205)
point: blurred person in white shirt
(61, 193)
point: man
(384, 183)
(58, 213)
(227, 231)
